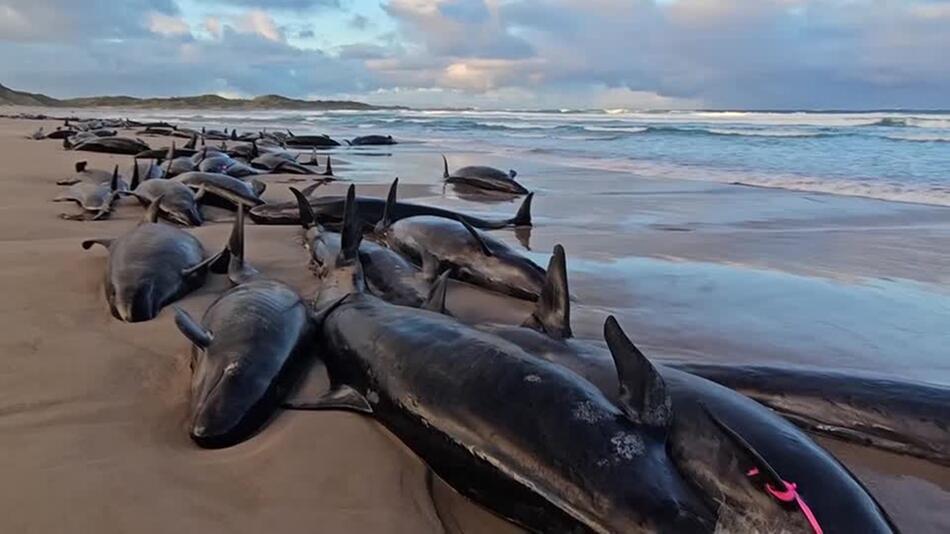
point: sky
(534, 54)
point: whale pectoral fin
(191, 329)
(478, 238)
(436, 300)
(87, 244)
(552, 313)
(154, 208)
(217, 264)
(340, 397)
(643, 394)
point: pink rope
(790, 494)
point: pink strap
(790, 494)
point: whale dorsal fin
(197, 334)
(114, 182)
(552, 314)
(437, 294)
(523, 217)
(81, 166)
(329, 170)
(341, 397)
(307, 218)
(238, 270)
(478, 238)
(389, 208)
(643, 395)
(135, 175)
(445, 167)
(512, 173)
(313, 158)
(351, 232)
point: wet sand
(92, 411)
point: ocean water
(891, 155)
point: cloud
(155, 54)
(723, 53)
(559, 53)
(359, 22)
(64, 20)
(166, 25)
(258, 22)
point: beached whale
(223, 190)
(308, 141)
(153, 265)
(178, 202)
(222, 163)
(482, 177)
(369, 140)
(545, 449)
(60, 133)
(94, 197)
(248, 351)
(329, 210)
(472, 256)
(837, 500)
(109, 145)
(898, 416)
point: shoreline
(92, 410)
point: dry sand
(92, 410)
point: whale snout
(134, 305)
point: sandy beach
(92, 411)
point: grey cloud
(137, 62)
(742, 53)
(62, 20)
